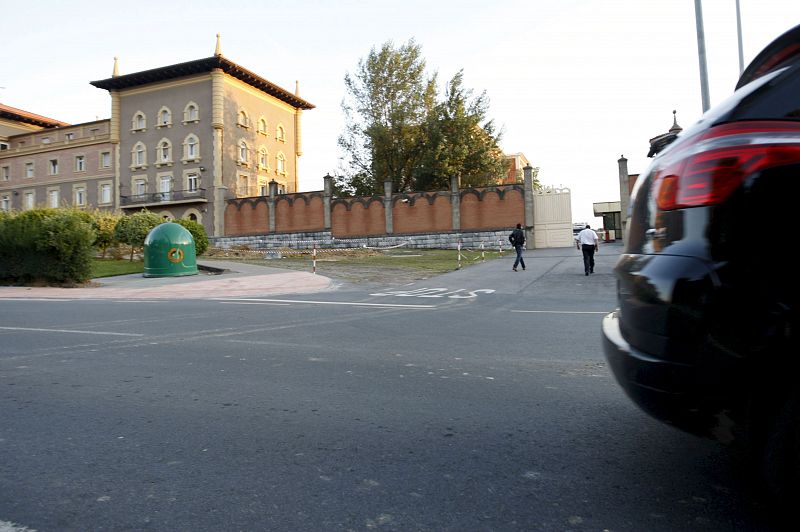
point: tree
(395, 129)
(133, 229)
(105, 224)
(389, 98)
(460, 141)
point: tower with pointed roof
(660, 142)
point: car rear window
(779, 99)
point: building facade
(181, 141)
(44, 162)
(515, 163)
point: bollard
(459, 254)
(314, 259)
(483, 255)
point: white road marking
(6, 526)
(259, 303)
(67, 331)
(436, 292)
(381, 305)
(47, 299)
(561, 311)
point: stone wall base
(324, 240)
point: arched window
(191, 113)
(263, 158)
(243, 119)
(139, 122)
(280, 133)
(164, 117)
(244, 152)
(164, 154)
(262, 126)
(191, 148)
(139, 154)
(280, 163)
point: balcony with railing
(162, 198)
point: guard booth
(169, 251)
(612, 225)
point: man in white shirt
(587, 242)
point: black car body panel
(704, 336)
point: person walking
(517, 239)
(587, 243)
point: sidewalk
(227, 279)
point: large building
(182, 139)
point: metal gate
(552, 218)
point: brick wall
(298, 212)
(423, 212)
(492, 207)
(486, 209)
(249, 216)
(358, 217)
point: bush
(198, 233)
(105, 223)
(133, 229)
(68, 244)
(48, 245)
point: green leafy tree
(460, 141)
(105, 224)
(198, 234)
(134, 228)
(387, 103)
(395, 128)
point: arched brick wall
(247, 217)
(480, 209)
(299, 212)
(492, 208)
(427, 212)
(363, 218)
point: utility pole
(701, 53)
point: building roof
(660, 142)
(18, 115)
(200, 66)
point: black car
(705, 335)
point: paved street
(476, 400)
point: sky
(572, 84)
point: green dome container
(169, 252)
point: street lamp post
(701, 52)
(739, 35)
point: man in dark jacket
(517, 239)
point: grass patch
(429, 260)
(392, 266)
(112, 267)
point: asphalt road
(477, 400)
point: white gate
(552, 218)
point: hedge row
(57, 245)
(49, 245)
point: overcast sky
(573, 84)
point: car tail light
(706, 170)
